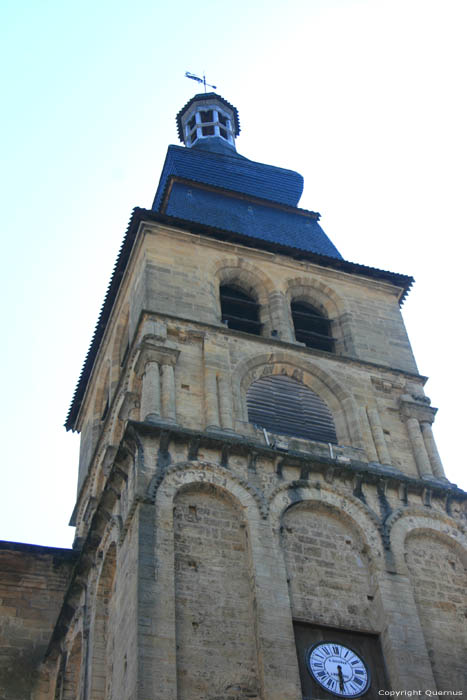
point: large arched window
(286, 406)
(311, 327)
(239, 310)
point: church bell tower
(262, 511)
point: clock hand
(341, 678)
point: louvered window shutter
(285, 406)
(311, 327)
(239, 311)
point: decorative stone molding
(109, 456)
(156, 330)
(159, 354)
(129, 404)
(194, 472)
(387, 385)
(414, 406)
(306, 371)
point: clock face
(338, 669)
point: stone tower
(261, 510)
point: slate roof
(231, 172)
(253, 217)
(139, 215)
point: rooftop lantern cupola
(208, 121)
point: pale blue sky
(365, 99)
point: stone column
(432, 450)
(151, 358)
(225, 403)
(378, 436)
(367, 436)
(280, 315)
(151, 392)
(416, 411)
(351, 414)
(211, 398)
(418, 447)
(168, 393)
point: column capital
(416, 407)
(151, 351)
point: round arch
(251, 277)
(338, 399)
(248, 278)
(324, 299)
(359, 516)
(413, 520)
(318, 294)
(186, 474)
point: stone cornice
(368, 472)
(413, 407)
(293, 346)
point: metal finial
(200, 80)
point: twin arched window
(286, 406)
(240, 312)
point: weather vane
(200, 80)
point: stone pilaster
(353, 421)
(378, 436)
(211, 398)
(151, 393)
(168, 393)
(402, 639)
(225, 402)
(367, 436)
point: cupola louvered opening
(287, 407)
(311, 327)
(239, 310)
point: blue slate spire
(206, 181)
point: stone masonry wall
(33, 581)
(214, 606)
(439, 579)
(327, 567)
